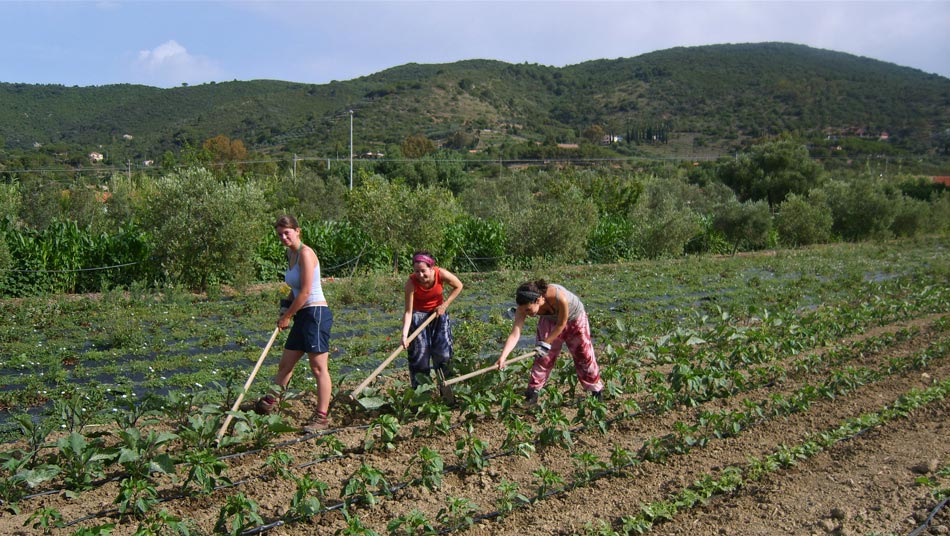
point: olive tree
(663, 219)
(401, 218)
(804, 220)
(860, 209)
(746, 224)
(771, 171)
(553, 223)
(205, 230)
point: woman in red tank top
(424, 291)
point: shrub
(308, 196)
(475, 244)
(860, 209)
(663, 221)
(205, 230)
(910, 216)
(555, 224)
(402, 219)
(745, 224)
(802, 221)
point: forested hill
(719, 95)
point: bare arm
(455, 283)
(512, 339)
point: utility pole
(295, 167)
(351, 149)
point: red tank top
(427, 299)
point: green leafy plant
(45, 519)
(431, 465)
(457, 512)
(205, 471)
(471, 452)
(279, 463)
(98, 530)
(359, 487)
(547, 479)
(587, 465)
(199, 430)
(382, 433)
(140, 455)
(555, 430)
(332, 446)
(164, 524)
(260, 430)
(136, 497)
(415, 523)
(305, 502)
(354, 526)
(510, 497)
(237, 514)
(81, 460)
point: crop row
(143, 454)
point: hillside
(715, 96)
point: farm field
(791, 392)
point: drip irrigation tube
(930, 518)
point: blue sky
(166, 43)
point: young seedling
(457, 512)
(431, 465)
(382, 433)
(136, 497)
(306, 500)
(547, 479)
(237, 514)
(205, 471)
(411, 524)
(510, 497)
(359, 487)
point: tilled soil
(864, 485)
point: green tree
(205, 230)
(417, 146)
(555, 224)
(593, 134)
(804, 220)
(663, 219)
(461, 140)
(860, 209)
(400, 218)
(746, 224)
(770, 172)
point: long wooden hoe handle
(481, 371)
(247, 385)
(388, 360)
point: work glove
(542, 349)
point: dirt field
(864, 485)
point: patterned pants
(576, 335)
(431, 348)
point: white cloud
(170, 64)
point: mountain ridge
(718, 96)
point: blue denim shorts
(310, 332)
